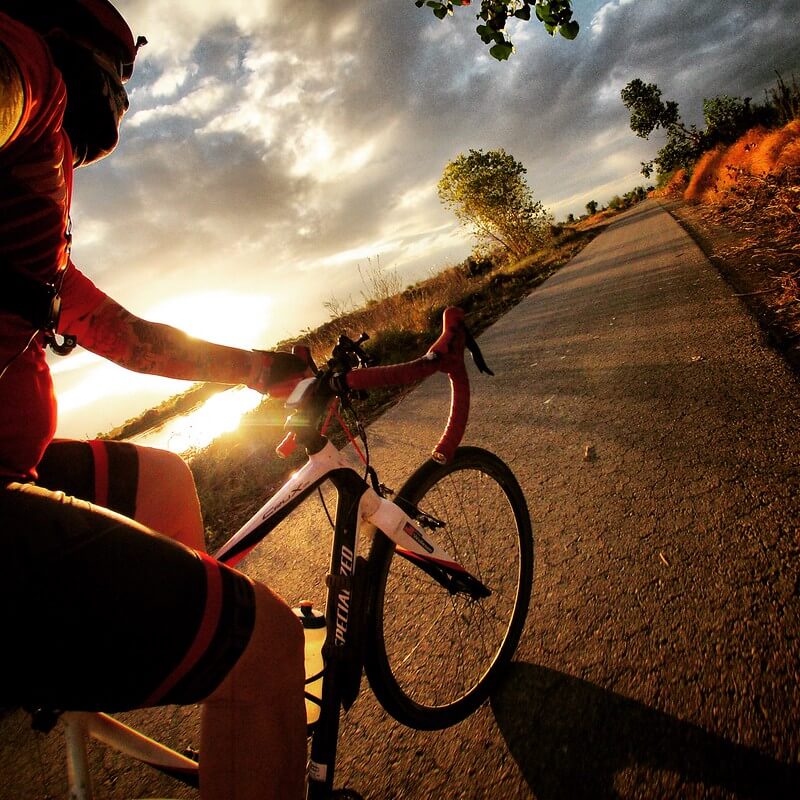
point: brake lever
(477, 356)
(348, 354)
(304, 353)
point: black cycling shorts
(100, 613)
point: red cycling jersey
(35, 194)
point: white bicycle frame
(409, 539)
(79, 726)
(380, 512)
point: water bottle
(315, 632)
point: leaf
(440, 13)
(544, 13)
(419, 3)
(486, 33)
(502, 51)
(523, 13)
(551, 29)
(497, 22)
(570, 30)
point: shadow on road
(572, 738)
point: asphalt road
(662, 649)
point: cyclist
(101, 612)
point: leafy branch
(555, 15)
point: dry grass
(408, 311)
(744, 209)
(759, 153)
(674, 187)
(600, 218)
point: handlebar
(446, 355)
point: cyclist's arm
(109, 330)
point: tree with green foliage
(591, 208)
(726, 118)
(488, 194)
(555, 15)
(649, 112)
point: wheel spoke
(437, 652)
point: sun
(223, 317)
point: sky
(271, 148)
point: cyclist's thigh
(98, 612)
(102, 472)
(152, 486)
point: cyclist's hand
(277, 373)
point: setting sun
(232, 318)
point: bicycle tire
(425, 669)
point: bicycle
(428, 673)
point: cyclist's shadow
(571, 739)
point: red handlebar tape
(446, 354)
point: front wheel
(433, 655)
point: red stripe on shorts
(205, 632)
(100, 455)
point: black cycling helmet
(93, 47)
(94, 24)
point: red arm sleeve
(79, 297)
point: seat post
(75, 736)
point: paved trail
(662, 650)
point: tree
(591, 208)
(726, 118)
(648, 113)
(555, 15)
(489, 195)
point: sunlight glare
(220, 414)
(223, 317)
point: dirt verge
(758, 253)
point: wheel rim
(439, 646)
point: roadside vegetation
(735, 187)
